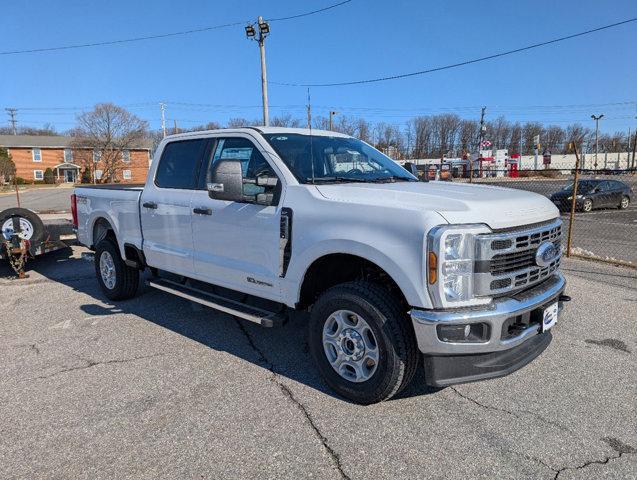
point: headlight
(450, 261)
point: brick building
(33, 154)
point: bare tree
(529, 131)
(364, 130)
(554, 137)
(515, 139)
(285, 120)
(7, 167)
(578, 134)
(239, 122)
(107, 130)
(468, 135)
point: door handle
(202, 211)
(149, 205)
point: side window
(179, 164)
(253, 163)
(604, 186)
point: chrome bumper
(494, 314)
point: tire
(396, 350)
(34, 231)
(122, 281)
(625, 201)
(587, 206)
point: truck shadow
(284, 350)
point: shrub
(49, 176)
(86, 176)
(20, 181)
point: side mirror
(226, 181)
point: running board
(265, 318)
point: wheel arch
(334, 268)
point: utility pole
(264, 30)
(332, 113)
(309, 110)
(162, 106)
(480, 138)
(632, 165)
(12, 113)
(597, 119)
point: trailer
(25, 235)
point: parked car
(390, 269)
(593, 194)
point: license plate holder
(549, 316)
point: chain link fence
(604, 220)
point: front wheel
(362, 343)
(117, 280)
(623, 205)
(587, 206)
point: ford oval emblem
(546, 253)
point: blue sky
(362, 39)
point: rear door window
(179, 164)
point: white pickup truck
(257, 221)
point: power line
(308, 13)
(161, 35)
(228, 107)
(459, 64)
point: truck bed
(116, 203)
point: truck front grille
(505, 260)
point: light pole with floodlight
(597, 119)
(252, 34)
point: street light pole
(597, 119)
(251, 33)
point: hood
(457, 202)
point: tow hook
(564, 298)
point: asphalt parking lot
(41, 200)
(157, 387)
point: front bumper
(564, 205)
(447, 363)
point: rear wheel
(117, 280)
(362, 343)
(623, 205)
(587, 206)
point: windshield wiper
(390, 179)
(335, 179)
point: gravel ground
(157, 387)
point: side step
(264, 318)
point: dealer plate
(549, 316)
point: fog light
(464, 333)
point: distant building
(33, 154)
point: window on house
(126, 156)
(38, 174)
(126, 174)
(37, 155)
(97, 155)
(68, 155)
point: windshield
(583, 186)
(336, 159)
